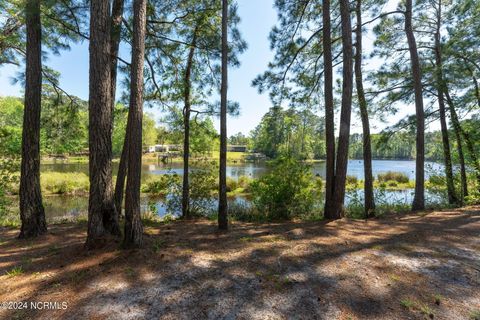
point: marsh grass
(64, 183)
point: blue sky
(258, 17)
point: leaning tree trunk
(345, 114)
(32, 212)
(452, 198)
(362, 102)
(133, 221)
(222, 192)
(101, 208)
(468, 142)
(329, 110)
(461, 160)
(186, 126)
(116, 29)
(419, 197)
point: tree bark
(186, 126)
(419, 197)
(452, 198)
(101, 208)
(121, 175)
(133, 221)
(222, 192)
(116, 29)
(461, 157)
(329, 110)
(32, 212)
(468, 141)
(362, 103)
(345, 114)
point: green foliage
(393, 176)
(240, 185)
(240, 139)
(475, 314)
(9, 166)
(15, 271)
(202, 183)
(120, 115)
(407, 303)
(242, 211)
(297, 133)
(158, 245)
(288, 190)
(397, 144)
(161, 185)
(11, 119)
(64, 183)
(64, 122)
(203, 136)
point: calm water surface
(256, 170)
(70, 206)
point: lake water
(72, 206)
(257, 169)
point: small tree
(286, 191)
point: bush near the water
(288, 190)
(240, 185)
(64, 182)
(160, 185)
(399, 177)
(8, 180)
(202, 185)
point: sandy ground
(414, 266)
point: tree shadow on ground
(398, 267)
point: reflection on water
(257, 169)
(74, 206)
(59, 207)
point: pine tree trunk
(186, 169)
(419, 197)
(346, 112)
(116, 29)
(461, 160)
(477, 90)
(452, 198)
(133, 221)
(367, 147)
(121, 175)
(468, 141)
(222, 201)
(32, 212)
(186, 123)
(101, 209)
(329, 110)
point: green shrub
(288, 190)
(243, 212)
(240, 185)
(64, 183)
(232, 184)
(392, 183)
(202, 185)
(437, 180)
(352, 180)
(8, 181)
(160, 185)
(393, 176)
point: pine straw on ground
(400, 267)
